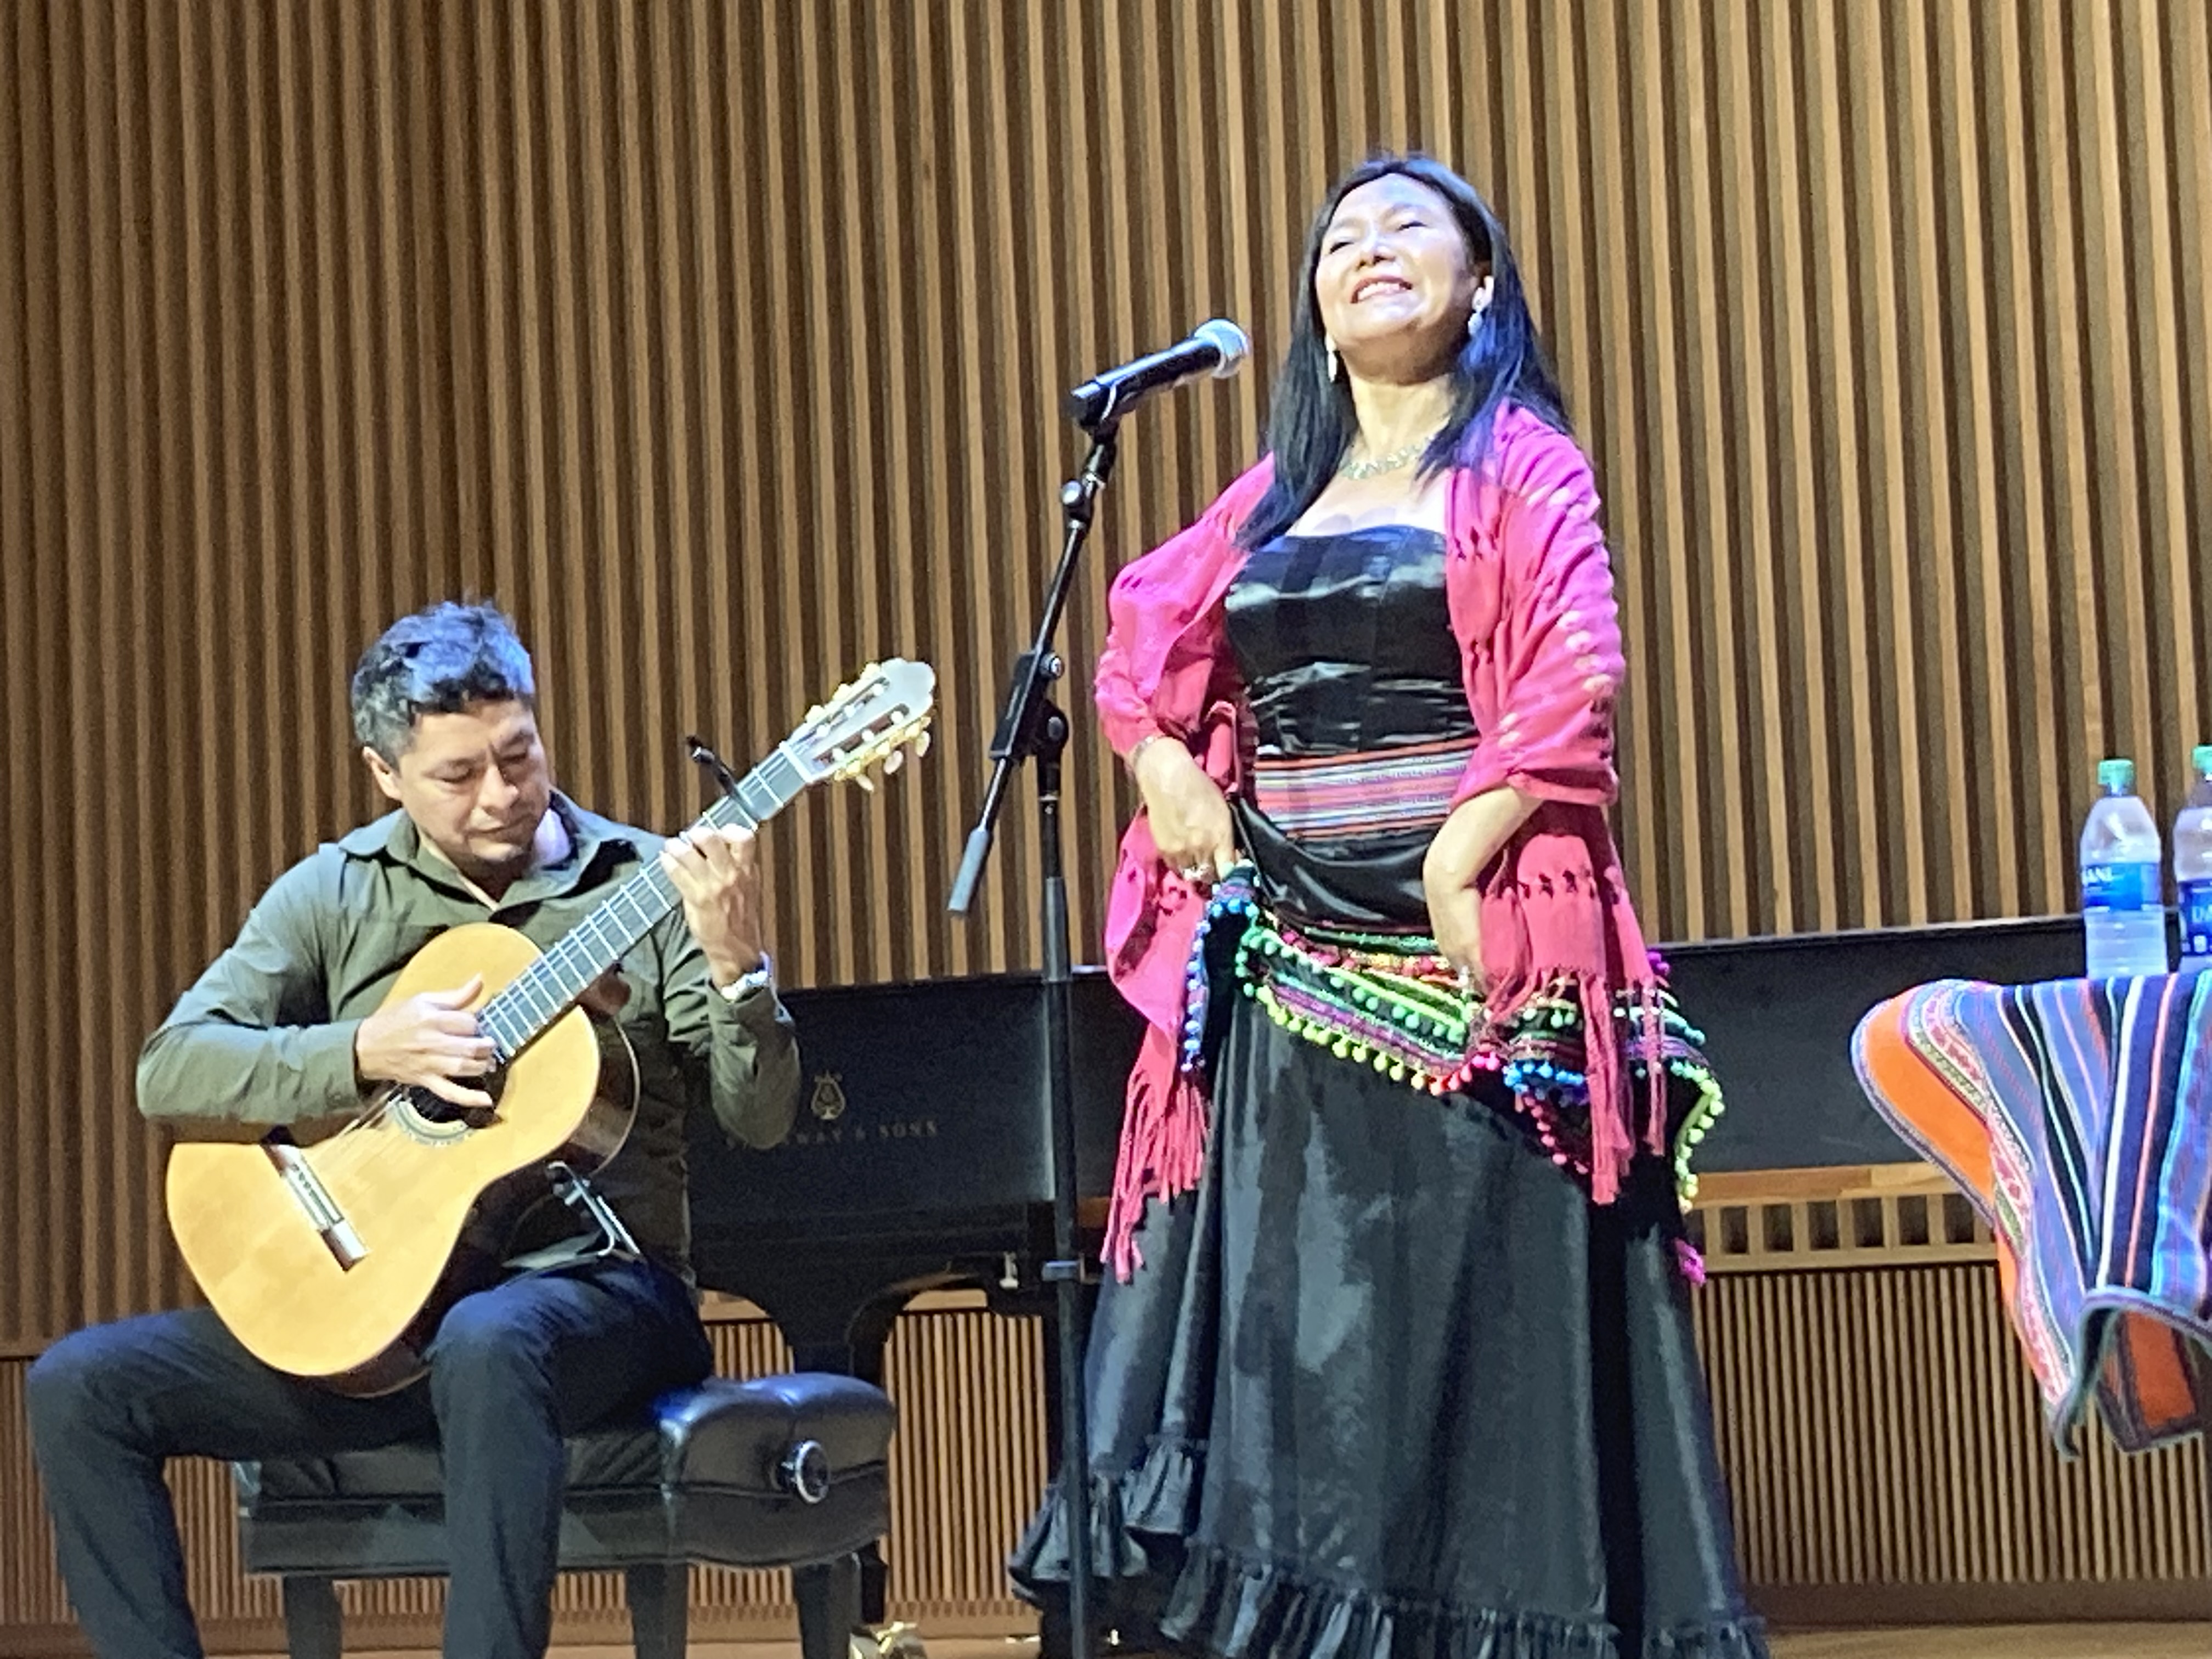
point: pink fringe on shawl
(1163, 1145)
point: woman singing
(1395, 1358)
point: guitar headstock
(874, 720)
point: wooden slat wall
(1878, 1424)
(1879, 1427)
(1879, 1430)
(721, 341)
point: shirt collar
(394, 839)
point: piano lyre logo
(829, 1101)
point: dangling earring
(1329, 346)
(1481, 304)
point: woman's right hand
(1190, 815)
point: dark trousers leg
(512, 1370)
(109, 1405)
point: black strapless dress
(1387, 1385)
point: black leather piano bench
(779, 1471)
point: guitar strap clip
(580, 1195)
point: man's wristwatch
(761, 978)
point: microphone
(1219, 345)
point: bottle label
(2120, 886)
(2197, 918)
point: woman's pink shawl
(1530, 591)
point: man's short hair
(438, 662)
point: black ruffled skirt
(1388, 1386)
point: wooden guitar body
(335, 1262)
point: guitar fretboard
(549, 987)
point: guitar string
(373, 1147)
(338, 1156)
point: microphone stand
(1033, 728)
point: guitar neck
(550, 987)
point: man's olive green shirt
(267, 1034)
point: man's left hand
(716, 872)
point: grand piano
(922, 1156)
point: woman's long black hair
(1312, 423)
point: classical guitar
(335, 1262)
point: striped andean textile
(2076, 1116)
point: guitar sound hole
(434, 1114)
(432, 1109)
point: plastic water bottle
(2192, 864)
(2123, 881)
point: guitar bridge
(316, 1204)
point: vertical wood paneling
(723, 343)
(1877, 1428)
(25, 1021)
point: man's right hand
(429, 1041)
(1189, 813)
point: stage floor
(2003, 1642)
(2192, 1641)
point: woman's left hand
(1463, 846)
(1456, 920)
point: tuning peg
(921, 743)
(893, 761)
(867, 784)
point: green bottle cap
(2117, 777)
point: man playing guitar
(293, 1023)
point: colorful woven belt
(1376, 792)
